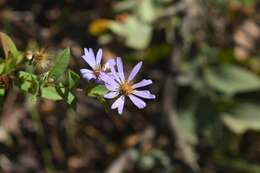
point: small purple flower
(95, 63)
(119, 87)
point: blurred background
(203, 56)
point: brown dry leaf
(75, 163)
(240, 54)
(47, 106)
(132, 140)
(246, 38)
(239, 7)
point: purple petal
(137, 101)
(120, 68)
(134, 72)
(99, 57)
(109, 80)
(115, 74)
(111, 87)
(144, 94)
(110, 63)
(119, 104)
(111, 95)
(142, 83)
(87, 74)
(89, 57)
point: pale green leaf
(8, 45)
(245, 116)
(99, 90)
(232, 79)
(146, 10)
(137, 34)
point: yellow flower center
(126, 89)
(97, 70)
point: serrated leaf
(8, 45)
(60, 64)
(245, 116)
(232, 79)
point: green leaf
(67, 96)
(232, 79)
(99, 90)
(27, 82)
(146, 10)
(245, 116)
(73, 79)
(125, 5)
(8, 45)
(58, 93)
(10, 64)
(12, 55)
(136, 33)
(50, 92)
(60, 64)
(248, 2)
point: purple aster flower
(95, 63)
(119, 87)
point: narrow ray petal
(115, 74)
(142, 83)
(144, 94)
(89, 58)
(137, 101)
(110, 63)
(120, 68)
(99, 57)
(111, 87)
(119, 103)
(111, 95)
(134, 72)
(87, 74)
(107, 79)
